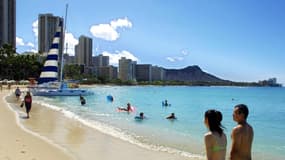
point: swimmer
(128, 109)
(171, 116)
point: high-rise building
(100, 61)
(101, 65)
(76, 55)
(143, 72)
(157, 73)
(127, 69)
(108, 72)
(47, 28)
(8, 22)
(83, 51)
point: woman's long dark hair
(214, 119)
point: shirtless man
(242, 135)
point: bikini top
(219, 147)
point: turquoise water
(185, 135)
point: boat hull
(60, 92)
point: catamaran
(48, 83)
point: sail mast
(62, 54)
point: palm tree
(7, 53)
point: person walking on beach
(242, 135)
(215, 139)
(18, 93)
(28, 103)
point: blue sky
(240, 40)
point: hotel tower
(47, 24)
(8, 22)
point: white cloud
(185, 52)
(35, 29)
(114, 57)
(170, 59)
(19, 41)
(108, 31)
(71, 42)
(179, 58)
(121, 23)
(174, 59)
(33, 50)
(104, 31)
(30, 44)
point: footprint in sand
(7, 158)
(23, 152)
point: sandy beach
(63, 138)
(17, 143)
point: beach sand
(79, 141)
(17, 144)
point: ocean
(185, 135)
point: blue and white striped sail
(50, 69)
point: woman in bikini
(215, 139)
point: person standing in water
(82, 100)
(215, 139)
(242, 135)
(165, 103)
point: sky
(237, 40)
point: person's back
(242, 135)
(241, 150)
(215, 139)
(218, 146)
(28, 98)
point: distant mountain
(191, 74)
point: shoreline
(83, 141)
(79, 139)
(20, 143)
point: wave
(117, 132)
